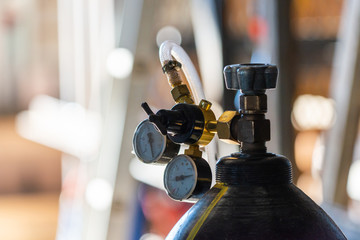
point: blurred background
(74, 72)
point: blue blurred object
(237, 100)
(350, 229)
(139, 218)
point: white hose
(171, 51)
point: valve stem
(154, 118)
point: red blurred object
(161, 212)
(9, 18)
(257, 28)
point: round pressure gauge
(187, 178)
(151, 146)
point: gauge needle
(150, 142)
(181, 177)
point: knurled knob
(251, 77)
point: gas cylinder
(254, 196)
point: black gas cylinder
(254, 198)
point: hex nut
(193, 151)
(253, 103)
(251, 131)
(181, 91)
(205, 105)
(223, 127)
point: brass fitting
(181, 94)
(209, 119)
(193, 151)
(180, 91)
(171, 69)
(224, 127)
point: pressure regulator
(157, 140)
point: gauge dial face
(180, 177)
(148, 143)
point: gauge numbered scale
(150, 146)
(187, 178)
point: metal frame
(345, 85)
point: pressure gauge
(187, 178)
(151, 146)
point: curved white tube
(169, 51)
